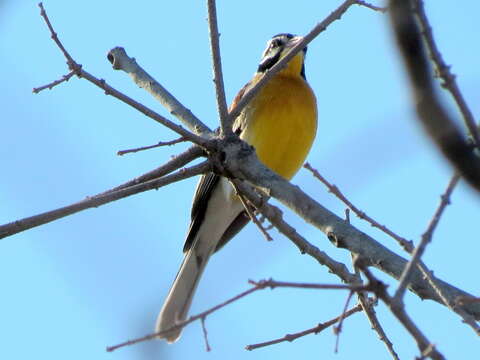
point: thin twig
(367, 307)
(338, 329)
(186, 322)
(101, 199)
(75, 67)
(399, 312)
(272, 284)
(54, 83)
(319, 28)
(315, 330)
(159, 144)
(370, 6)
(175, 163)
(225, 124)
(205, 334)
(274, 215)
(443, 71)
(426, 238)
(250, 213)
(257, 285)
(407, 245)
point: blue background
(72, 287)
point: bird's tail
(179, 298)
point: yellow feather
(281, 120)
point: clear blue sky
(72, 287)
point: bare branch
(426, 347)
(274, 215)
(225, 124)
(339, 232)
(272, 284)
(159, 144)
(443, 70)
(54, 83)
(250, 213)
(320, 27)
(407, 245)
(77, 69)
(315, 330)
(426, 238)
(182, 324)
(338, 329)
(121, 61)
(370, 6)
(435, 119)
(368, 308)
(205, 334)
(101, 199)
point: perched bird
(280, 122)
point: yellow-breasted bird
(280, 122)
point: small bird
(280, 122)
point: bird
(280, 122)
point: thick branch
(435, 119)
(121, 61)
(340, 233)
(443, 71)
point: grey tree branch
(426, 238)
(320, 27)
(121, 61)
(406, 244)
(434, 118)
(225, 124)
(426, 347)
(314, 330)
(100, 199)
(369, 310)
(340, 233)
(443, 70)
(274, 215)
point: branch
(159, 144)
(225, 124)
(368, 309)
(121, 61)
(426, 238)
(315, 330)
(435, 119)
(340, 233)
(182, 324)
(274, 215)
(101, 199)
(257, 285)
(54, 83)
(320, 27)
(250, 213)
(443, 70)
(426, 347)
(407, 245)
(77, 68)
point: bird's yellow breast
(281, 122)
